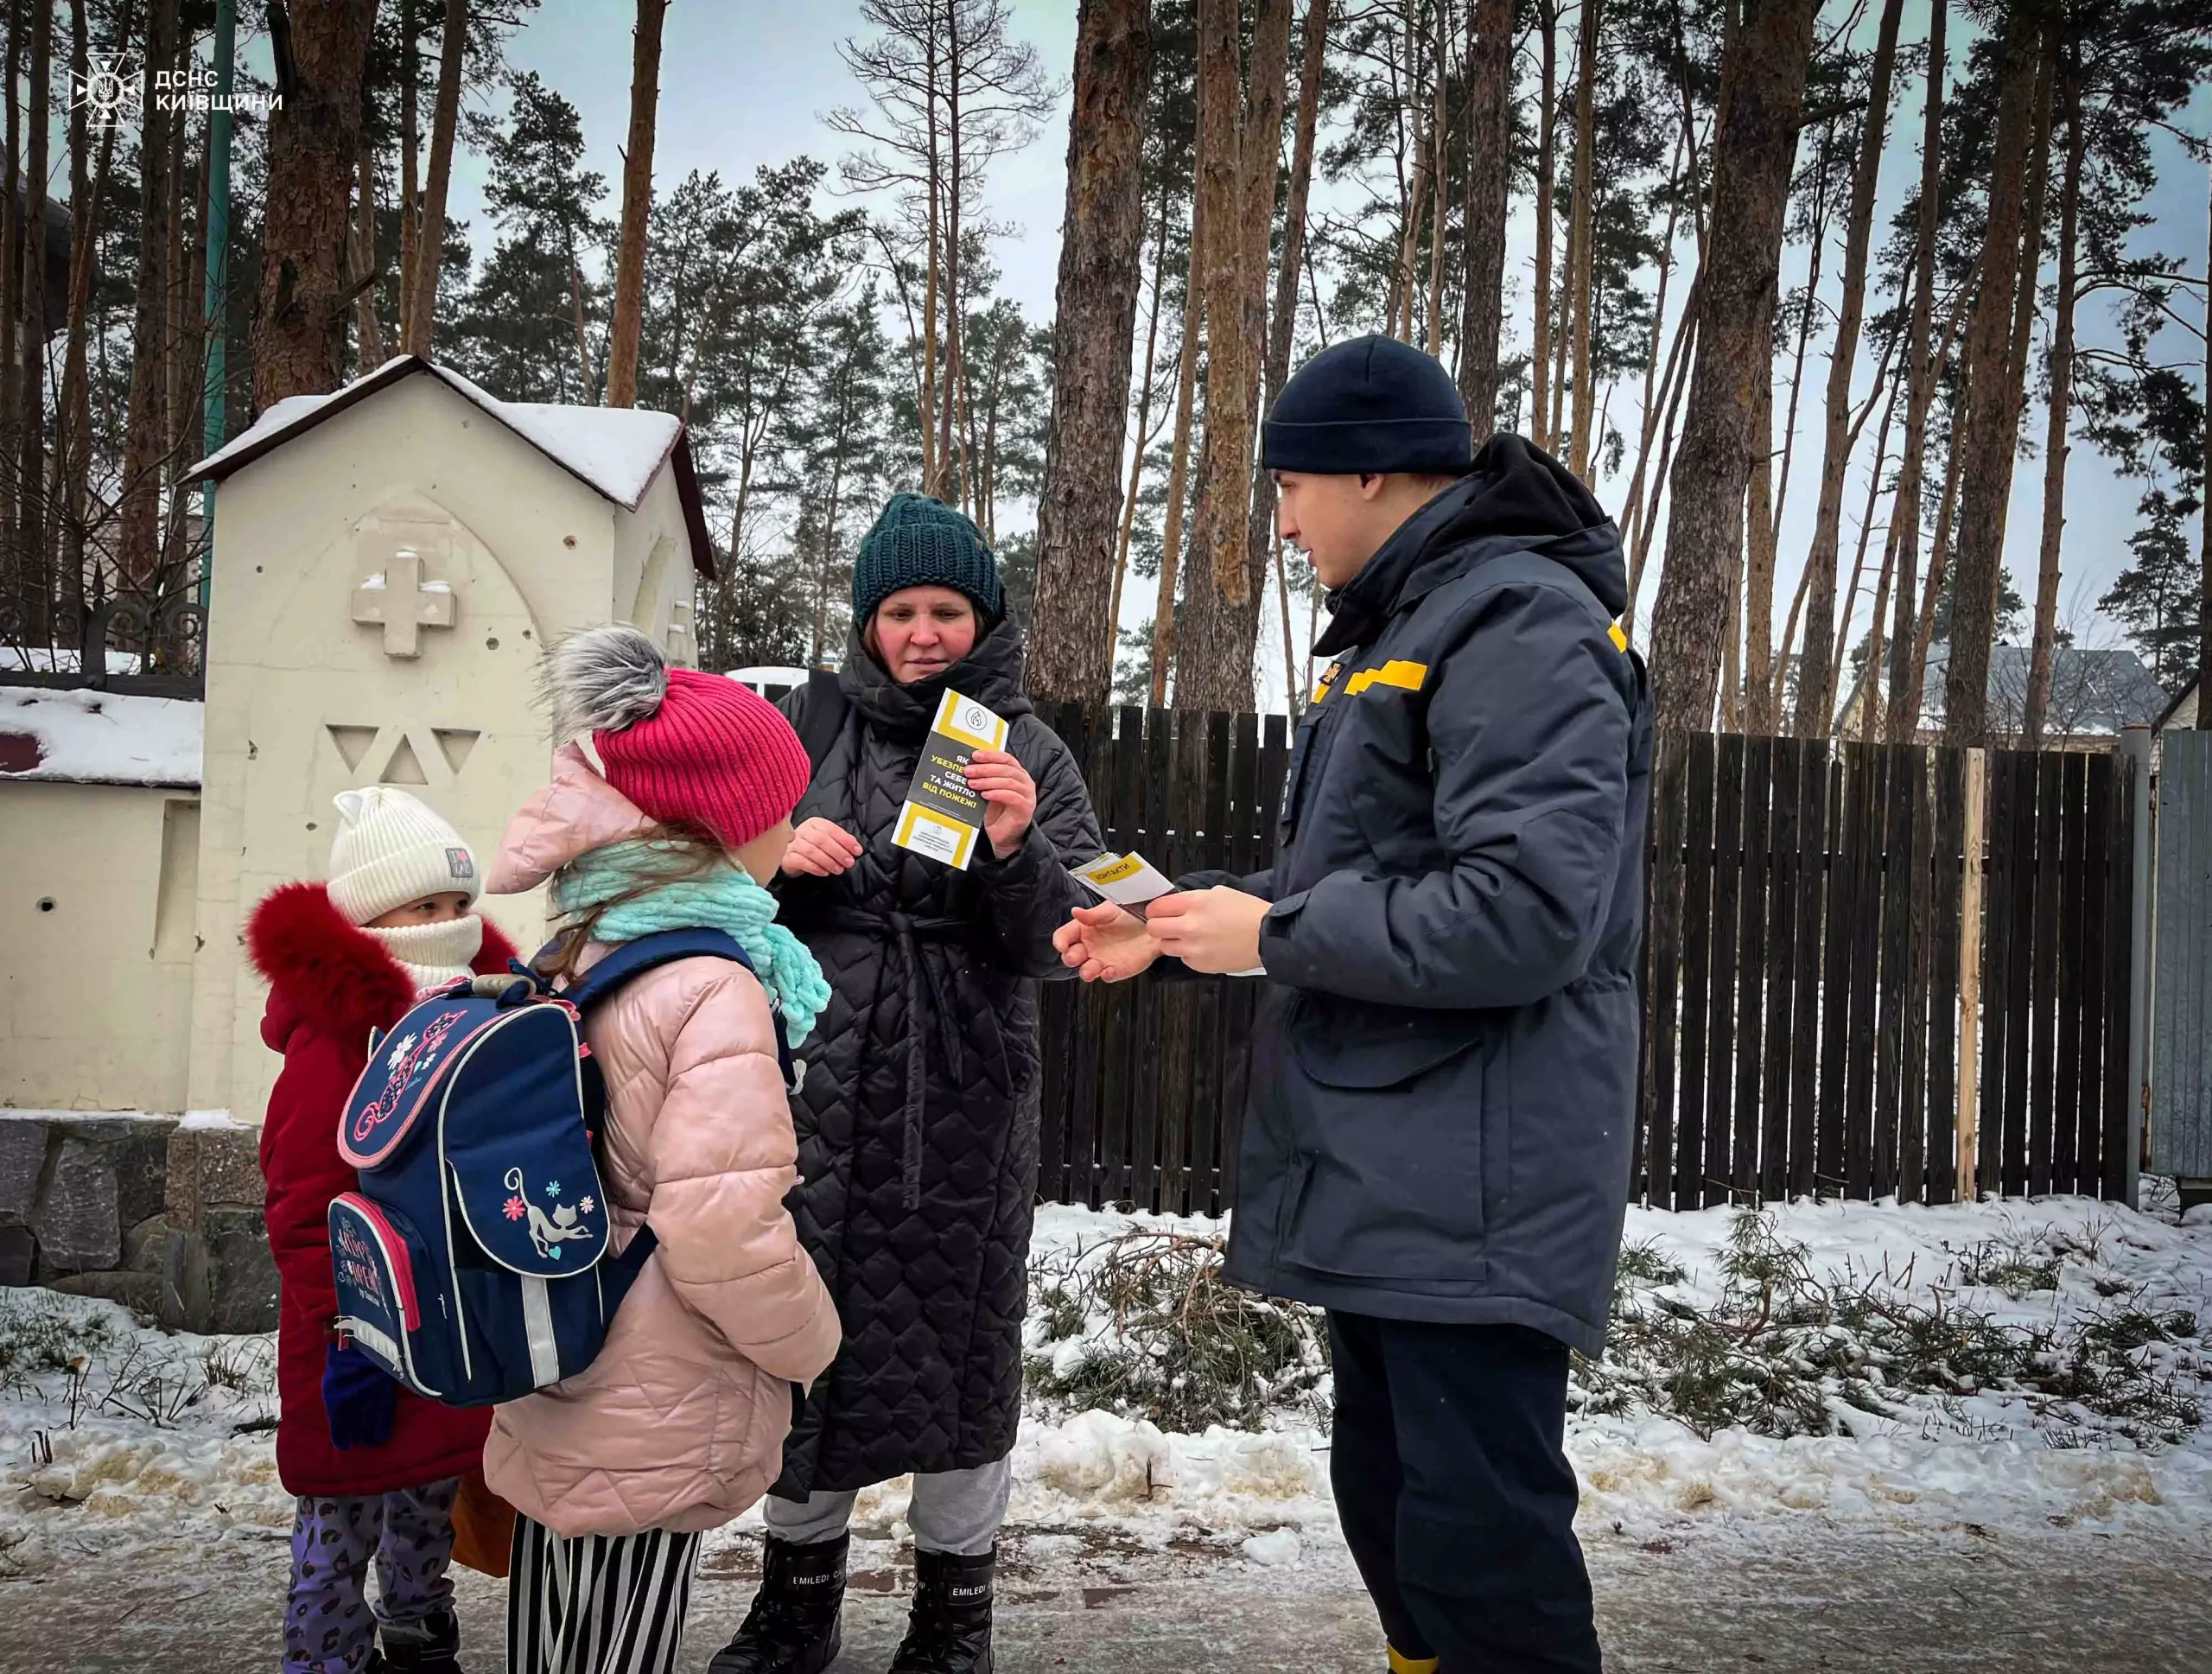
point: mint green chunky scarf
(725, 899)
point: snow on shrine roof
(88, 738)
(617, 452)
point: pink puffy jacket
(680, 1422)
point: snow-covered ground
(152, 1436)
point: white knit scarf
(432, 953)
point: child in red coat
(375, 1468)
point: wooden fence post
(1968, 1135)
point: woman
(917, 1116)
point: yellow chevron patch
(1402, 1663)
(1613, 633)
(1407, 677)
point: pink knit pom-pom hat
(688, 747)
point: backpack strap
(634, 958)
(822, 717)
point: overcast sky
(745, 84)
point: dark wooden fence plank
(1754, 910)
(2096, 861)
(2066, 1064)
(1785, 864)
(1720, 995)
(2020, 975)
(1848, 793)
(1901, 768)
(1861, 1035)
(2121, 1096)
(1914, 1120)
(1997, 924)
(1947, 878)
(1817, 794)
(1663, 989)
(2044, 966)
(1697, 977)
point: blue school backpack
(472, 1263)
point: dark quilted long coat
(918, 1113)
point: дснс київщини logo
(111, 91)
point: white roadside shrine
(389, 560)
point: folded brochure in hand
(1128, 880)
(941, 815)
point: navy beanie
(919, 542)
(1370, 405)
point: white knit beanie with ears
(391, 849)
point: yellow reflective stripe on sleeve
(1407, 677)
(1619, 639)
(1402, 1663)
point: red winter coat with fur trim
(328, 986)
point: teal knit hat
(920, 542)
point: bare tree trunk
(1643, 513)
(368, 330)
(955, 301)
(1283, 319)
(1904, 698)
(13, 565)
(430, 250)
(1991, 426)
(1547, 161)
(637, 208)
(1144, 435)
(1178, 458)
(1840, 621)
(138, 536)
(1761, 713)
(1763, 90)
(2061, 404)
(73, 464)
(299, 332)
(1489, 177)
(2204, 534)
(1213, 658)
(411, 168)
(1101, 270)
(1440, 170)
(1652, 392)
(1414, 198)
(1816, 691)
(30, 542)
(1939, 553)
(1581, 268)
(933, 221)
(188, 355)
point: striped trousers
(598, 1604)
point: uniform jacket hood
(1515, 490)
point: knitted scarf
(725, 899)
(431, 954)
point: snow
(192, 1120)
(41, 659)
(618, 451)
(157, 1435)
(103, 737)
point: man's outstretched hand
(1105, 943)
(1216, 931)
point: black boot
(431, 1645)
(950, 1630)
(793, 1627)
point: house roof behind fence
(2094, 691)
(617, 452)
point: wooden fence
(1877, 969)
(1836, 1001)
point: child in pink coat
(678, 1425)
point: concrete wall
(97, 915)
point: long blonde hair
(685, 852)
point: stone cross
(397, 598)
